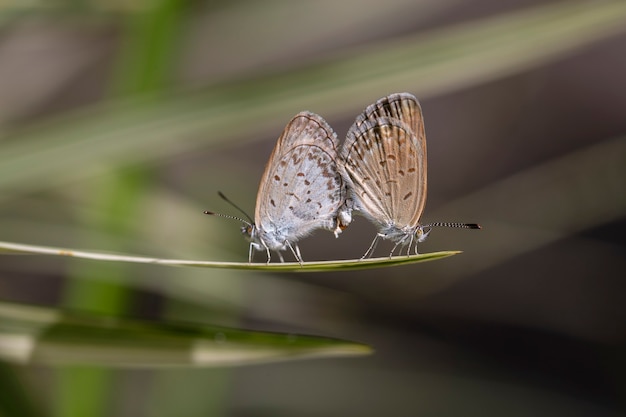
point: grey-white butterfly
(384, 164)
(301, 189)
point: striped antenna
(211, 213)
(459, 225)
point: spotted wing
(401, 106)
(385, 168)
(301, 189)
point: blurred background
(120, 122)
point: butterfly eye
(246, 230)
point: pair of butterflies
(311, 183)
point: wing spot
(300, 174)
(392, 157)
(401, 172)
(411, 169)
(276, 177)
(308, 200)
(272, 202)
(294, 196)
(409, 194)
(285, 184)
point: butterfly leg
(417, 242)
(296, 252)
(299, 254)
(267, 251)
(408, 250)
(250, 253)
(370, 251)
(401, 243)
(394, 249)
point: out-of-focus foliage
(119, 122)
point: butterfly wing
(400, 106)
(385, 167)
(405, 108)
(301, 189)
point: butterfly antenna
(226, 216)
(250, 222)
(460, 225)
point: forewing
(401, 106)
(385, 164)
(301, 188)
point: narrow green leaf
(46, 336)
(315, 266)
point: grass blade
(315, 266)
(46, 336)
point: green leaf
(31, 335)
(316, 266)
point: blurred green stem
(144, 65)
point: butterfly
(383, 161)
(301, 189)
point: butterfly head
(247, 230)
(251, 232)
(421, 234)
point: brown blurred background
(120, 121)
